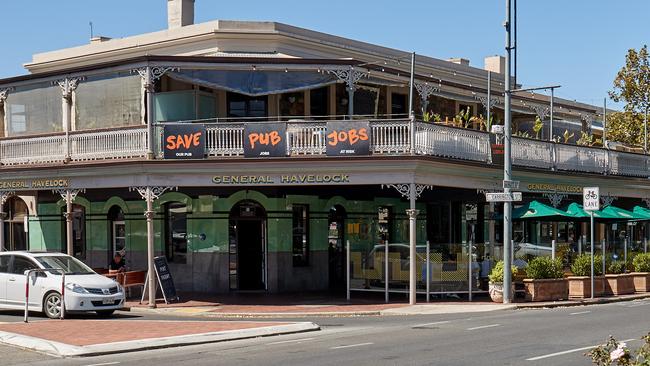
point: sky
(578, 44)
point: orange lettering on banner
(265, 138)
(183, 141)
(352, 135)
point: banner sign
(348, 138)
(265, 140)
(184, 141)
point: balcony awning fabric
(255, 83)
(538, 210)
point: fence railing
(388, 137)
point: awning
(255, 83)
(538, 210)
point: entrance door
(247, 247)
(336, 247)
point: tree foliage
(632, 83)
(625, 127)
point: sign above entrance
(34, 184)
(348, 138)
(286, 179)
(551, 187)
(184, 141)
(591, 199)
(503, 197)
(265, 140)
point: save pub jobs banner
(265, 140)
(348, 138)
(184, 141)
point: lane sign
(503, 197)
(591, 199)
(512, 184)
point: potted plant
(618, 282)
(496, 282)
(545, 280)
(641, 274)
(580, 282)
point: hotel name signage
(281, 179)
(45, 183)
(550, 187)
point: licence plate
(108, 301)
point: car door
(4, 277)
(16, 282)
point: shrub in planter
(545, 280)
(641, 274)
(496, 282)
(580, 282)
(618, 282)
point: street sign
(503, 197)
(512, 184)
(590, 199)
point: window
(176, 232)
(240, 105)
(4, 263)
(292, 104)
(384, 224)
(398, 104)
(22, 264)
(319, 102)
(300, 235)
(117, 229)
(16, 225)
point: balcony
(225, 140)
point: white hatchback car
(85, 290)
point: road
(516, 337)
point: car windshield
(70, 265)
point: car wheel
(104, 313)
(52, 305)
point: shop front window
(176, 232)
(15, 225)
(300, 235)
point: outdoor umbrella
(624, 214)
(538, 210)
(641, 212)
(575, 210)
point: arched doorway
(336, 246)
(247, 246)
(16, 225)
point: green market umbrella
(538, 210)
(624, 214)
(641, 212)
(609, 213)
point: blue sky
(580, 44)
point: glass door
(119, 236)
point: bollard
(347, 269)
(386, 270)
(625, 255)
(428, 271)
(553, 249)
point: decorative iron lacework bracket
(484, 101)
(405, 189)
(349, 76)
(3, 93)
(425, 90)
(647, 202)
(152, 193)
(588, 118)
(555, 198)
(607, 200)
(4, 196)
(541, 110)
(73, 193)
(150, 74)
(68, 85)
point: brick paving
(91, 332)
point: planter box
(496, 291)
(641, 281)
(546, 290)
(619, 284)
(580, 286)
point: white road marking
(428, 324)
(352, 345)
(484, 326)
(104, 364)
(292, 341)
(568, 351)
(581, 312)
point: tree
(625, 127)
(632, 83)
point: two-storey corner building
(260, 149)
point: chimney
(180, 13)
(495, 63)
(460, 61)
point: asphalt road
(515, 337)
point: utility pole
(507, 169)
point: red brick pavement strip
(91, 332)
(303, 309)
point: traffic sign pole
(592, 253)
(591, 203)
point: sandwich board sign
(590, 199)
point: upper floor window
(240, 105)
(34, 109)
